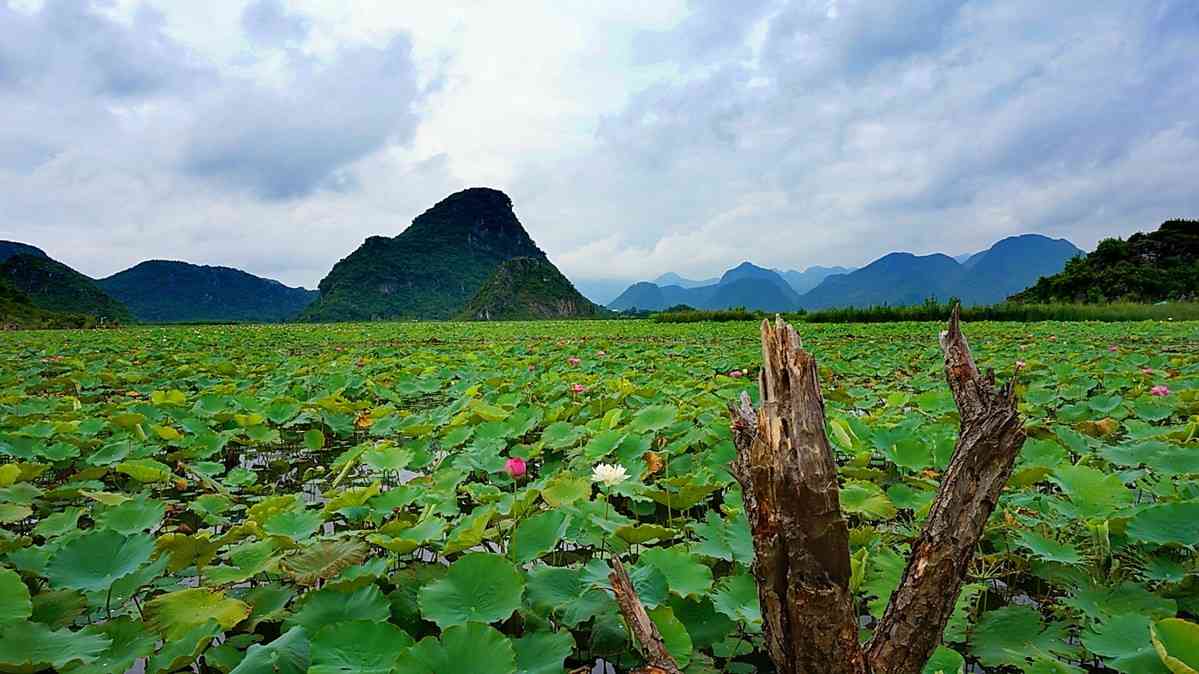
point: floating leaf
(479, 587)
(176, 613)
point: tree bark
(990, 436)
(657, 658)
(788, 480)
(788, 477)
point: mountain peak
(10, 248)
(432, 268)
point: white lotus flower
(609, 474)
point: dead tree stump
(788, 477)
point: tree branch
(643, 629)
(990, 437)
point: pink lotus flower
(736, 374)
(574, 360)
(601, 354)
(515, 466)
(1160, 390)
(578, 388)
(1020, 365)
(1113, 348)
(1053, 338)
(1146, 370)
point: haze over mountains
(986, 277)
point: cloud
(634, 138)
(270, 22)
(287, 141)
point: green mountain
(18, 313)
(53, 286)
(430, 270)
(528, 288)
(164, 291)
(746, 285)
(1161, 265)
(894, 279)
(1011, 265)
(10, 248)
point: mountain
(432, 268)
(672, 279)
(895, 279)
(53, 286)
(746, 285)
(1148, 267)
(528, 288)
(11, 248)
(18, 313)
(803, 281)
(164, 291)
(1011, 265)
(986, 277)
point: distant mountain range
(164, 291)
(156, 291)
(895, 279)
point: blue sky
(634, 138)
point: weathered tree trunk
(788, 479)
(789, 485)
(990, 436)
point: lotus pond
(343, 498)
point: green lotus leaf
(57, 608)
(1177, 644)
(1092, 491)
(474, 648)
(297, 525)
(653, 418)
(176, 613)
(561, 434)
(15, 602)
(469, 532)
(330, 604)
(30, 646)
(945, 661)
(736, 596)
(685, 576)
(542, 652)
(11, 513)
(1013, 635)
(1120, 638)
(727, 539)
(538, 535)
(325, 559)
(565, 489)
(175, 654)
(1047, 549)
(135, 515)
(566, 593)
(59, 523)
(97, 559)
(602, 444)
(867, 500)
(1166, 524)
(387, 457)
(145, 470)
(287, 654)
(640, 534)
(267, 603)
(674, 634)
(130, 641)
(359, 646)
(479, 587)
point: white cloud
(635, 138)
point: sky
(633, 137)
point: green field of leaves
(344, 498)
